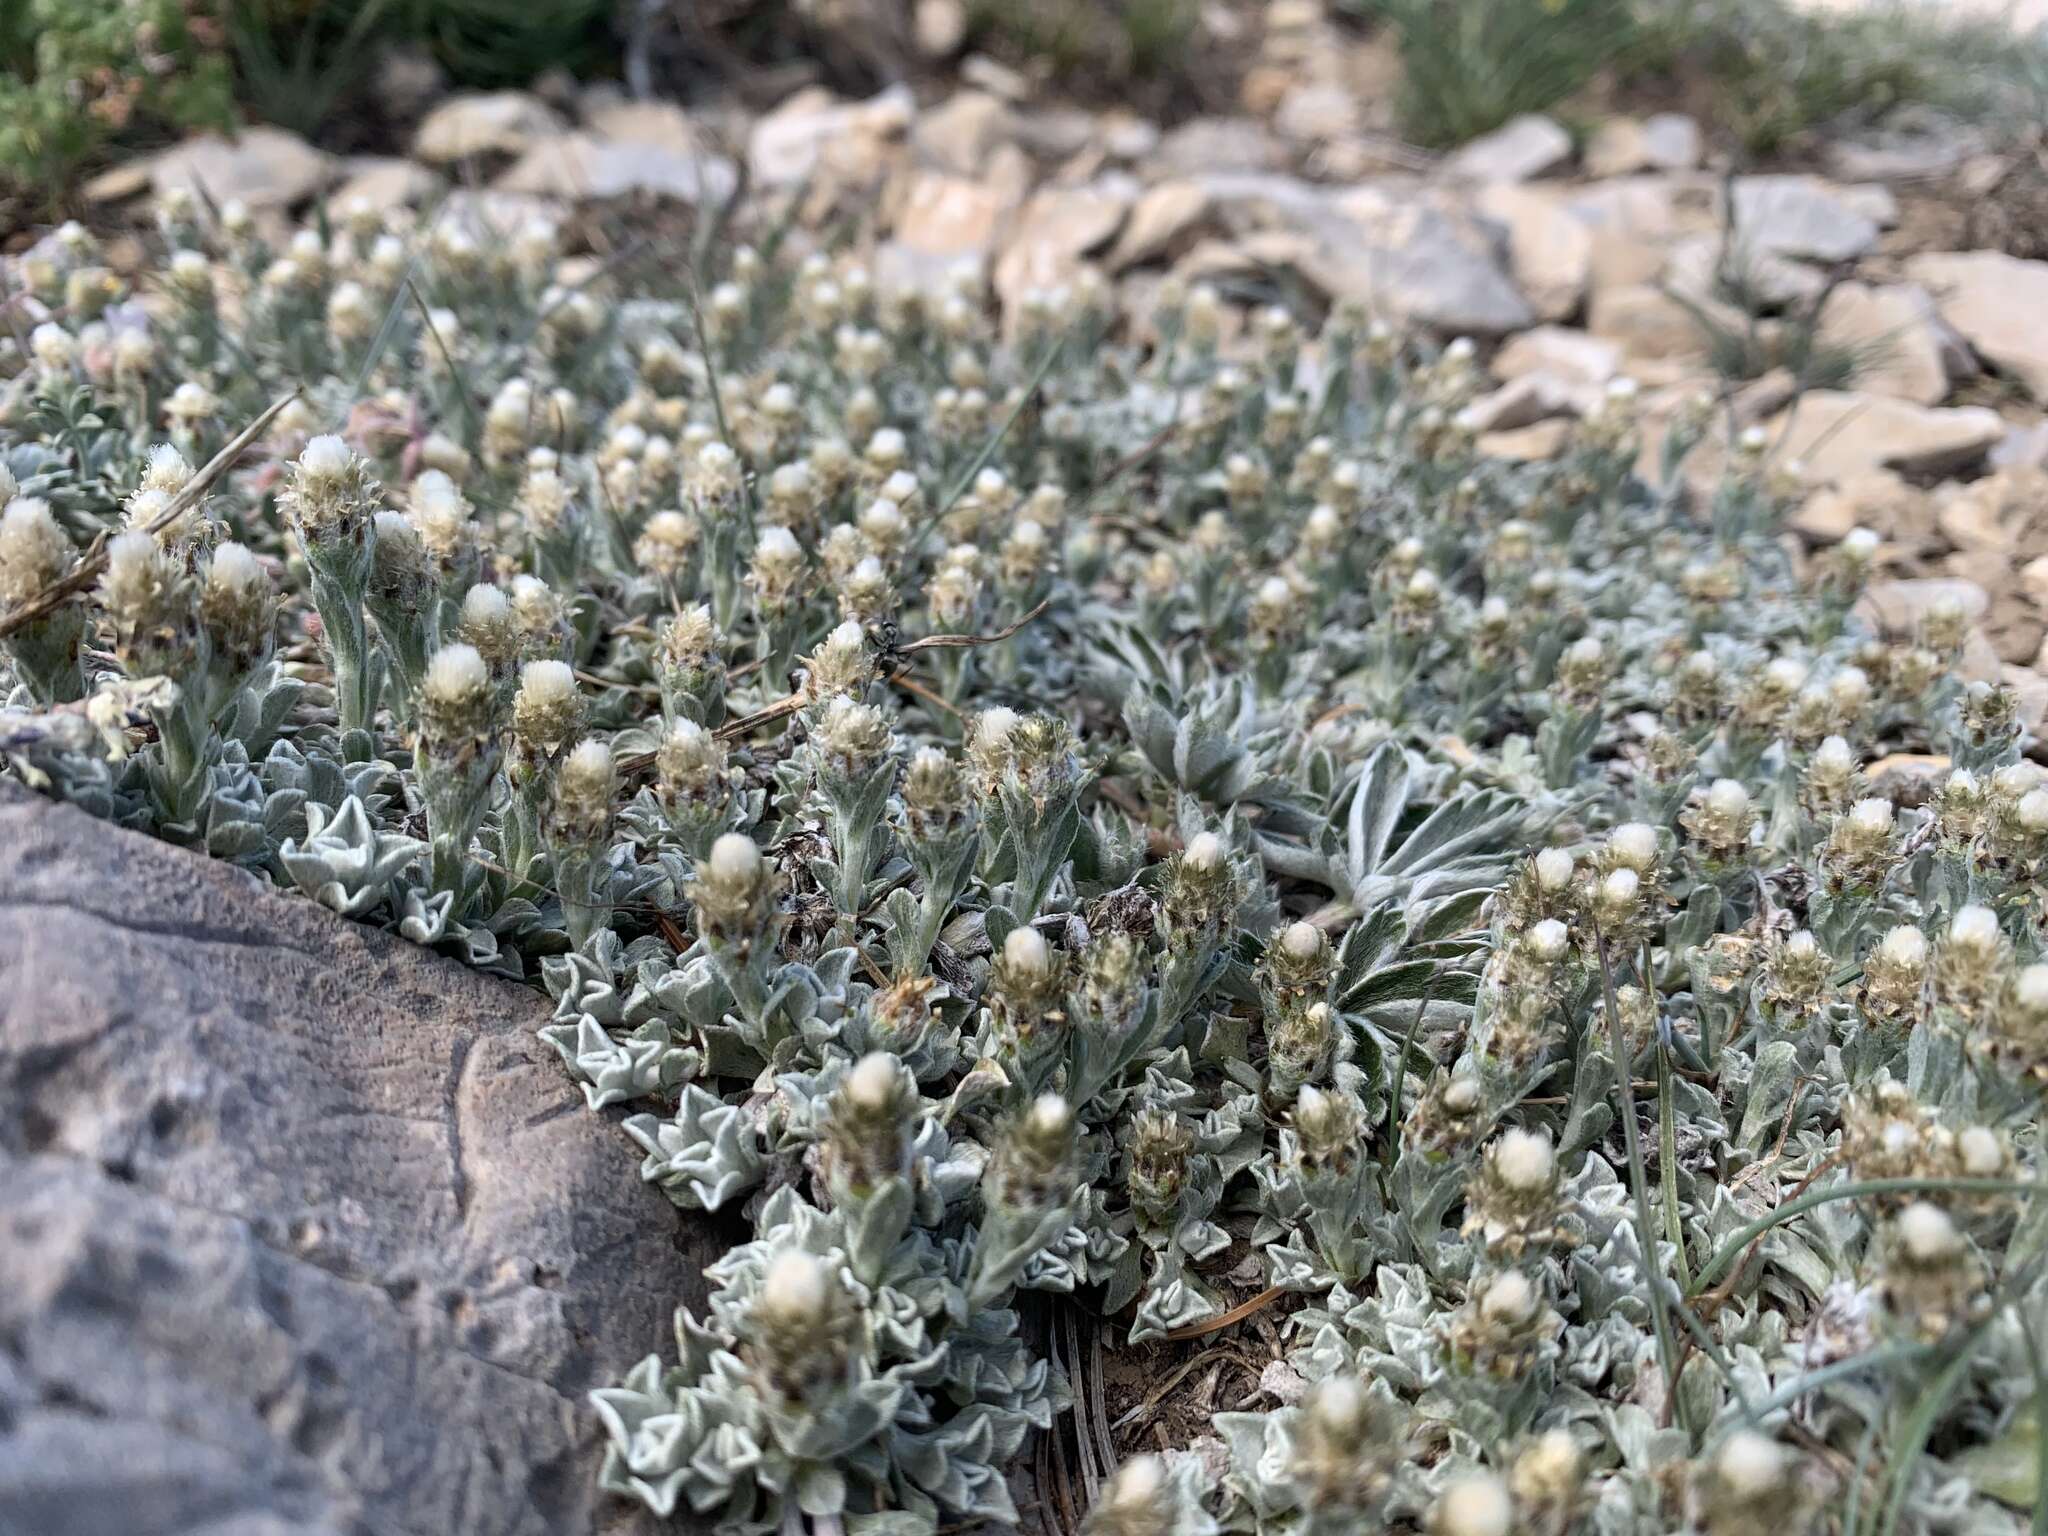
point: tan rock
(1623, 261)
(1559, 352)
(814, 133)
(1999, 303)
(1519, 150)
(1264, 87)
(1212, 259)
(2025, 447)
(1972, 522)
(1668, 141)
(1908, 779)
(2033, 578)
(259, 168)
(1652, 207)
(949, 216)
(385, 182)
(1206, 145)
(1550, 252)
(1528, 445)
(1706, 267)
(1527, 400)
(1889, 332)
(1895, 608)
(1126, 137)
(1161, 218)
(660, 123)
(986, 74)
(1803, 216)
(1836, 433)
(129, 179)
(1877, 499)
(1764, 396)
(961, 132)
(1055, 230)
(1313, 114)
(485, 123)
(1411, 262)
(580, 164)
(2017, 629)
(2031, 690)
(1980, 661)
(1645, 320)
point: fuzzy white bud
(547, 683)
(871, 1085)
(1302, 941)
(1904, 946)
(1549, 939)
(1524, 1159)
(456, 672)
(1137, 1486)
(795, 1287)
(1634, 846)
(1728, 798)
(2030, 987)
(1553, 870)
(1025, 953)
(1981, 1151)
(1474, 1505)
(735, 858)
(1510, 1298)
(2032, 811)
(1926, 1232)
(1050, 1117)
(1751, 1465)
(1834, 758)
(1974, 928)
(325, 457)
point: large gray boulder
(301, 1231)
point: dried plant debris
(1035, 809)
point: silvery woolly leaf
(1262, 1459)
(709, 1152)
(1173, 1299)
(614, 1070)
(583, 984)
(344, 862)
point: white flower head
(735, 858)
(456, 672)
(1476, 1504)
(1554, 868)
(1025, 953)
(1524, 1159)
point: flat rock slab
(258, 167)
(1999, 303)
(1835, 434)
(301, 1229)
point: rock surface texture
(302, 1232)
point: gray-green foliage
(990, 867)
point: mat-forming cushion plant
(1118, 807)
